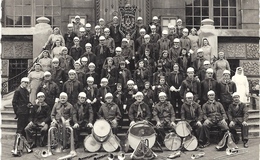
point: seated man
(110, 112)
(238, 115)
(139, 111)
(164, 115)
(40, 118)
(191, 112)
(84, 117)
(214, 114)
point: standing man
(114, 32)
(69, 36)
(238, 115)
(76, 25)
(102, 52)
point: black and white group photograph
(130, 80)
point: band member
(110, 112)
(84, 117)
(139, 25)
(175, 50)
(81, 76)
(192, 113)
(179, 28)
(209, 83)
(139, 41)
(185, 41)
(119, 98)
(95, 38)
(84, 66)
(148, 94)
(161, 87)
(50, 89)
(66, 61)
(213, 114)
(225, 89)
(172, 34)
(76, 51)
(141, 75)
(155, 21)
(114, 31)
(130, 92)
(202, 72)
(190, 84)
(163, 42)
(77, 25)
(89, 54)
(68, 37)
(184, 60)
(238, 115)
(109, 71)
(160, 72)
(146, 45)
(72, 87)
(198, 62)
(139, 111)
(102, 52)
(164, 115)
(109, 41)
(58, 75)
(119, 57)
(174, 81)
(124, 75)
(39, 118)
(103, 90)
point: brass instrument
(233, 152)
(19, 144)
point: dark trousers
(205, 133)
(22, 122)
(176, 103)
(82, 128)
(244, 130)
(163, 130)
(196, 131)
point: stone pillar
(207, 30)
(41, 33)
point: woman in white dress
(242, 84)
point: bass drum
(101, 130)
(111, 144)
(172, 141)
(190, 143)
(141, 131)
(90, 144)
(183, 129)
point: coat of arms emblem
(127, 24)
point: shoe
(196, 156)
(32, 145)
(245, 144)
(174, 155)
(207, 144)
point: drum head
(111, 144)
(91, 144)
(190, 143)
(183, 129)
(141, 131)
(172, 141)
(101, 128)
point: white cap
(84, 59)
(76, 38)
(221, 53)
(185, 30)
(142, 30)
(97, 26)
(146, 36)
(235, 94)
(90, 79)
(130, 82)
(108, 95)
(107, 30)
(101, 19)
(209, 70)
(153, 26)
(161, 94)
(164, 32)
(200, 50)
(55, 59)
(82, 29)
(211, 92)
(63, 94)
(124, 40)
(139, 18)
(88, 25)
(64, 48)
(72, 71)
(115, 17)
(139, 94)
(82, 94)
(91, 64)
(102, 38)
(206, 62)
(155, 18)
(104, 80)
(118, 49)
(46, 73)
(179, 20)
(70, 25)
(189, 94)
(226, 72)
(77, 16)
(88, 45)
(176, 40)
(40, 94)
(190, 69)
(25, 79)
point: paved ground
(210, 153)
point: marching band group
(153, 75)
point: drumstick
(90, 156)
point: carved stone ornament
(127, 24)
(251, 67)
(17, 49)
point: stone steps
(8, 120)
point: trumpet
(235, 151)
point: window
(223, 12)
(165, 21)
(23, 13)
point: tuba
(19, 144)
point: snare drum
(101, 130)
(183, 129)
(172, 141)
(190, 143)
(111, 144)
(91, 144)
(141, 131)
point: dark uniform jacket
(63, 110)
(240, 112)
(91, 57)
(198, 64)
(84, 113)
(101, 57)
(94, 75)
(68, 37)
(109, 111)
(174, 54)
(94, 41)
(66, 63)
(38, 115)
(148, 97)
(138, 43)
(139, 111)
(20, 101)
(72, 88)
(129, 99)
(191, 112)
(202, 74)
(91, 92)
(163, 111)
(82, 78)
(225, 91)
(110, 74)
(76, 52)
(156, 77)
(207, 85)
(185, 42)
(171, 37)
(58, 75)
(184, 64)
(115, 34)
(141, 51)
(213, 111)
(102, 91)
(161, 88)
(192, 86)
(140, 76)
(123, 76)
(175, 79)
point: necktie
(101, 49)
(105, 91)
(81, 108)
(139, 111)
(142, 73)
(185, 62)
(124, 76)
(199, 62)
(227, 87)
(91, 92)
(191, 111)
(39, 108)
(176, 78)
(210, 84)
(115, 29)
